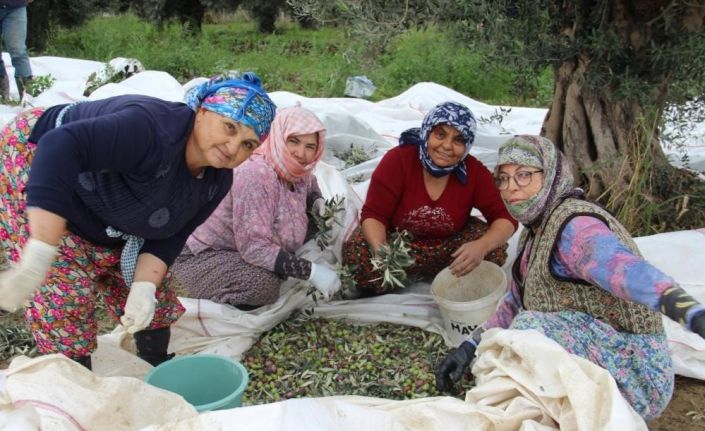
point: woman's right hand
(18, 283)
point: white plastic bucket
(466, 302)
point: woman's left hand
(466, 258)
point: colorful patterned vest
(544, 291)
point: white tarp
(374, 127)
(524, 382)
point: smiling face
(514, 193)
(219, 141)
(303, 147)
(446, 145)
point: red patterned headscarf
(288, 122)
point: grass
(314, 63)
(659, 197)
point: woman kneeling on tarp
(98, 199)
(580, 280)
(244, 251)
(427, 186)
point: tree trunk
(608, 140)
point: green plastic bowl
(207, 382)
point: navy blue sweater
(121, 162)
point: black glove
(676, 303)
(697, 325)
(453, 366)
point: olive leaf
(105, 76)
(39, 84)
(348, 284)
(324, 223)
(354, 156)
(15, 339)
(306, 356)
(392, 259)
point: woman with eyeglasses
(580, 280)
(428, 186)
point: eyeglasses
(521, 178)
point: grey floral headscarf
(538, 152)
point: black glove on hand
(453, 366)
(697, 325)
(676, 303)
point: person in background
(580, 280)
(245, 249)
(13, 21)
(428, 186)
(99, 197)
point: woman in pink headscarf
(243, 252)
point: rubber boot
(22, 84)
(85, 361)
(5, 88)
(152, 345)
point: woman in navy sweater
(99, 197)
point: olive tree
(374, 21)
(44, 17)
(618, 64)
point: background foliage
(498, 51)
(311, 62)
(443, 44)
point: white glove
(139, 307)
(319, 206)
(324, 279)
(18, 283)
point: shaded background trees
(375, 21)
(618, 65)
(46, 16)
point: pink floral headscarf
(288, 122)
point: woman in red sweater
(428, 186)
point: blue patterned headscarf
(450, 113)
(241, 98)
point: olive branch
(392, 259)
(324, 223)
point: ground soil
(686, 411)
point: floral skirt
(62, 313)
(430, 256)
(640, 363)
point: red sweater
(397, 197)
